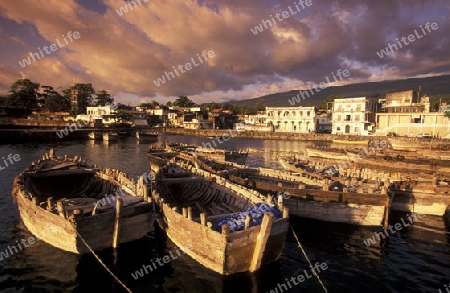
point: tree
(57, 103)
(146, 106)
(103, 98)
(184, 101)
(119, 115)
(85, 91)
(329, 99)
(169, 104)
(23, 94)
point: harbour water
(415, 259)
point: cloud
(124, 54)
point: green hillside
(437, 87)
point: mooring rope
(310, 265)
(101, 262)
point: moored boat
(229, 228)
(329, 153)
(110, 136)
(146, 136)
(159, 156)
(310, 196)
(95, 135)
(75, 202)
(425, 198)
(415, 144)
(346, 141)
(239, 156)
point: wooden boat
(239, 156)
(330, 153)
(159, 156)
(346, 141)
(418, 144)
(110, 136)
(193, 204)
(75, 202)
(95, 135)
(146, 136)
(312, 195)
(411, 196)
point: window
(338, 128)
(358, 107)
(357, 117)
(348, 118)
(339, 117)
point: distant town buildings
(408, 113)
(291, 119)
(353, 116)
(405, 113)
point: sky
(305, 43)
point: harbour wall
(267, 135)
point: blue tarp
(236, 221)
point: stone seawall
(266, 135)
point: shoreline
(26, 133)
(269, 135)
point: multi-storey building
(353, 116)
(405, 102)
(291, 119)
(406, 113)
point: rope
(310, 265)
(101, 262)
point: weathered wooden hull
(96, 230)
(143, 136)
(224, 253)
(418, 144)
(325, 153)
(159, 159)
(400, 145)
(361, 209)
(428, 203)
(64, 228)
(235, 157)
(307, 198)
(331, 206)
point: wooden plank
(117, 223)
(261, 241)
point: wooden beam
(203, 219)
(261, 241)
(117, 222)
(61, 209)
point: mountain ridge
(432, 86)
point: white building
(99, 112)
(291, 119)
(353, 116)
(323, 122)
